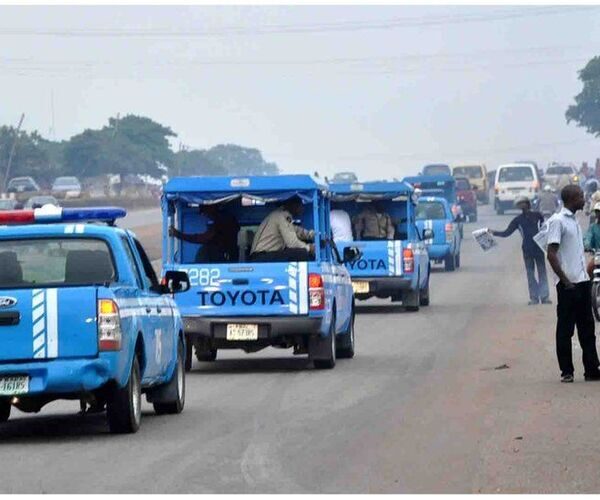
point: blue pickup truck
(396, 266)
(238, 302)
(435, 216)
(83, 317)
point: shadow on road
(381, 309)
(253, 365)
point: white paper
(485, 239)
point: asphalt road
(463, 396)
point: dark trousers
(538, 287)
(575, 308)
(286, 255)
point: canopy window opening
(224, 232)
(384, 219)
(515, 174)
(45, 262)
(470, 172)
(430, 210)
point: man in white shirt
(341, 225)
(573, 287)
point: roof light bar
(53, 214)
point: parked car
(245, 304)
(514, 180)
(478, 178)
(83, 317)
(8, 204)
(554, 174)
(466, 198)
(40, 201)
(398, 268)
(22, 185)
(66, 187)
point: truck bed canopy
(370, 191)
(262, 189)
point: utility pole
(12, 152)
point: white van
(514, 180)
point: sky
(379, 91)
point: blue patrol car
(248, 305)
(398, 267)
(82, 316)
(444, 242)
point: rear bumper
(439, 251)
(385, 286)
(270, 328)
(62, 376)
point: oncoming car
(83, 317)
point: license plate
(12, 386)
(242, 332)
(360, 286)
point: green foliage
(196, 162)
(586, 110)
(31, 156)
(238, 160)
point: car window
(559, 170)
(148, 275)
(470, 172)
(462, 185)
(53, 262)
(515, 174)
(132, 262)
(430, 210)
(436, 170)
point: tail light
(408, 258)
(316, 292)
(109, 326)
(449, 232)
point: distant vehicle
(466, 198)
(22, 185)
(436, 169)
(344, 177)
(555, 172)
(9, 205)
(478, 177)
(514, 180)
(83, 317)
(40, 201)
(434, 214)
(534, 164)
(66, 187)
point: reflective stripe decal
(52, 322)
(303, 287)
(391, 258)
(398, 253)
(44, 318)
(298, 287)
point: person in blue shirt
(529, 223)
(592, 236)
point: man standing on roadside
(567, 259)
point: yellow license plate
(13, 386)
(242, 332)
(360, 286)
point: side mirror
(351, 254)
(428, 234)
(175, 282)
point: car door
(164, 341)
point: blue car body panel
(273, 295)
(443, 243)
(55, 342)
(382, 261)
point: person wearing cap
(529, 223)
(548, 202)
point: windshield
(66, 181)
(515, 174)
(470, 172)
(436, 170)
(558, 170)
(26, 263)
(427, 210)
(20, 182)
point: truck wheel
(5, 408)
(188, 354)
(177, 385)
(449, 263)
(124, 405)
(346, 341)
(205, 354)
(328, 362)
(412, 300)
(457, 261)
(424, 300)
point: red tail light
(316, 292)
(409, 260)
(109, 326)
(449, 232)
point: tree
(586, 110)
(238, 160)
(196, 162)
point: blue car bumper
(63, 376)
(439, 251)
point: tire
(457, 261)
(329, 362)
(449, 263)
(5, 408)
(188, 354)
(124, 405)
(205, 355)
(424, 299)
(346, 342)
(596, 300)
(177, 383)
(415, 301)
